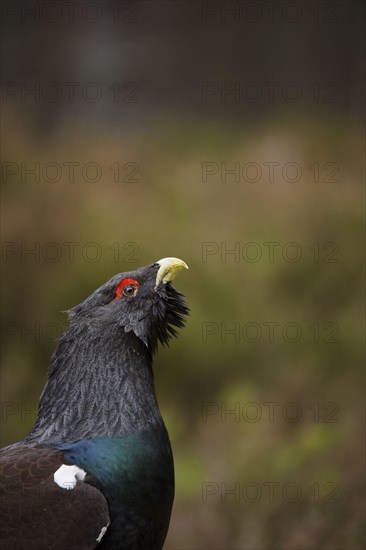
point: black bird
(97, 468)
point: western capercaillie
(97, 468)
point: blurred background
(229, 134)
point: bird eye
(130, 290)
(127, 287)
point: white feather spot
(102, 533)
(66, 477)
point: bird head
(143, 301)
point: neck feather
(100, 384)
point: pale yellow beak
(169, 269)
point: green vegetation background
(170, 211)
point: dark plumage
(99, 431)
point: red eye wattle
(127, 287)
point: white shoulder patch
(102, 533)
(66, 476)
